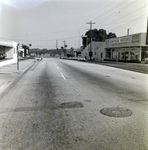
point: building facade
(8, 48)
(127, 48)
(130, 48)
(97, 49)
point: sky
(48, 23)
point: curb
(5, 86)
(22, 72)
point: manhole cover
(116, 112)
(71, 105)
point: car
(75, 58)
(81, 59)
(2, 56)
(39, 58)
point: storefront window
(108, 53)
(144, 53)
(132, 53)
(137, 53)
(123, 55)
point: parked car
(75, 58)
(2, 56)
(32, 56)
(39, 58)
(81, 59)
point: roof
(7, 43)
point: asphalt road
(58, 105)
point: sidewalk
(12, 68)
(136, 67)
(8, 73)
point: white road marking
(60, 72)
(62, 76)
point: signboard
(136, 38)
(131, 40)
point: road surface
(69, 105)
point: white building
(98, 51)
(127, 48)
(9, 49)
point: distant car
(2, 56)
(61, 57)
(81, 59)
(32, 56)
(65, 57)
(75, 58)
(39, 58)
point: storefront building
(127, 48)
(8, 49)
(8, 52)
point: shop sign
(136, 38)
(124, 41)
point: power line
(44, 40)
(127, 24)
(108, 11)
(129, 20)
(48, 33)
(121, 6)
(115, 13)
(113, 24)
(132, 12)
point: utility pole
(27, 39)
(90, 23)
(17, 49)
(147, 33)
(64, 43)
(79, 40)
(64, 48)
(57, 47)
(56, 44)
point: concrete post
(129, 54)
(140, 53)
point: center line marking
(58, 68)
(62, 76)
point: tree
(26, 50)
(97, 35)
(111, 35)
